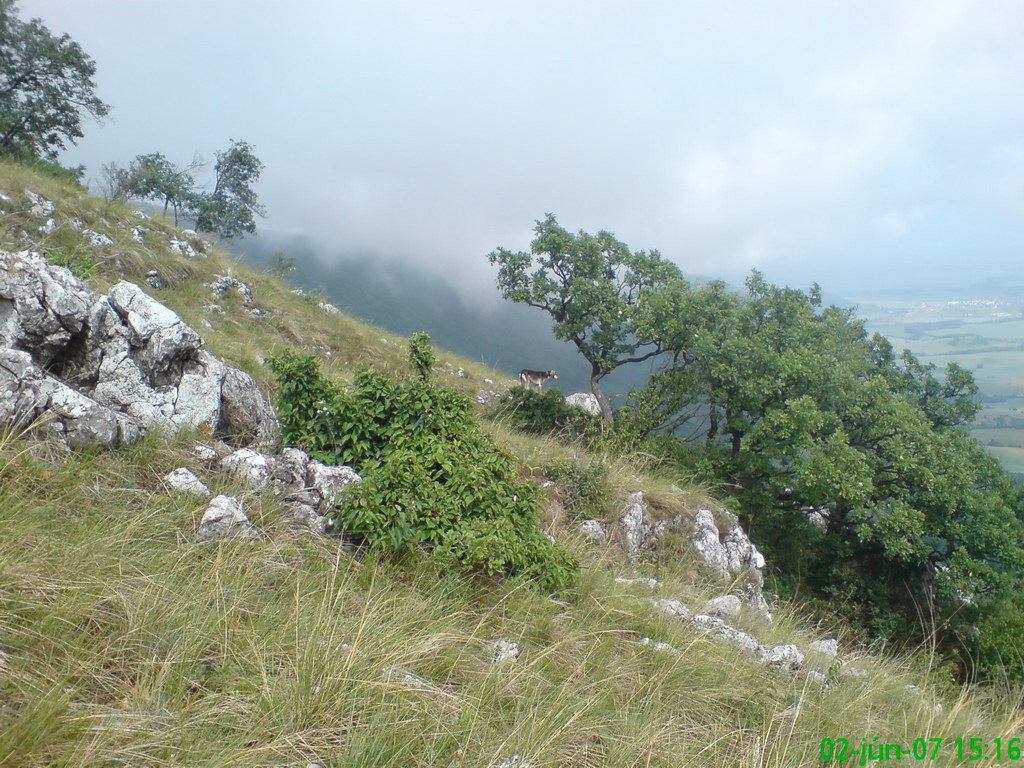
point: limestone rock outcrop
(309, 489)
(727, 550)
(106, 367)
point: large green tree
(594, 288)
(230, 209)
(852, 466)
(46, 87)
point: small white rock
(97, 239)
(595, 531)
(674, 608)
(817, 678)
(205, 453)
(183, 247)
(786, 656)
(41, 207)
(652, 583)
(828, 647)
(224, 517)
(251, 466)
(183, 480)
(515, 762)
(660, 647)
(726, 606)
(504, 650)
(329, 481)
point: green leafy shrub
(544, 413)
(432, 478)
(584, 486)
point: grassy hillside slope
(123, 642)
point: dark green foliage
(46, 87)
(80, 262)
(584, 486)
(800, 410)
(421, 356)
(432, 478)
(544, 413)
(230, 209)
(154, 177)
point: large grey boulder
(125, 351)
(42, 308)
(246, 413)
(184, 480)
(27, 395)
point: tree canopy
(852, 466)
(230, 209)
(154, 177)
(594, 288)
(46, 87)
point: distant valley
(985, 335)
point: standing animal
(530, 378)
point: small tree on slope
(230, 210)
(594, 288)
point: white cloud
(797, 137)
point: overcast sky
(855, 143)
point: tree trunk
(713, 426)
(596, 374)
(737, 441)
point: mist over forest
(404, 296)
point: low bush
(584, 487)
(432, 477)
(545, 413)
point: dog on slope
(530, 378)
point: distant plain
(984, 335)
